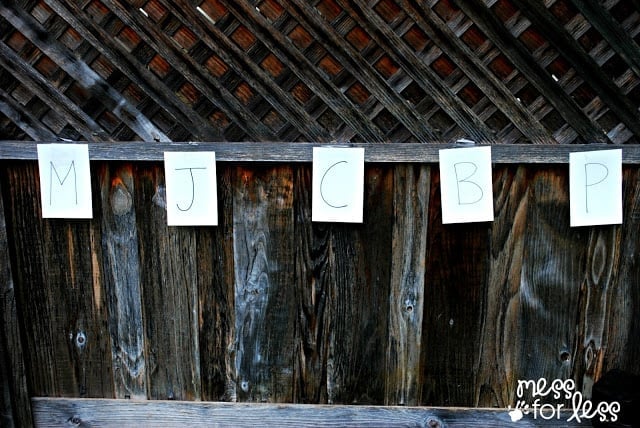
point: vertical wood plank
(343, 275)
(406, 300)
(264, 293)
(59, 294)
(6, 400)
(623, 326)
(552, 274)
(359, 266)
(15, 407)
(25, 227)
(499, 327)
(456, 280)
(121, 261)
(600, 279)
(169, 282)
(314, 295)
(216, 298)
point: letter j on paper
(191, 188)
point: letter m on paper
(65, 180)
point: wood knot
(81, 340)
(121, 200)
(434, 423)
(76, 421)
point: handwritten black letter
(586, 180)
(75, 183)
(466, 180)
(192, 187)
(322, 184)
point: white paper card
(466, 185)
(65, 180)
(595, 187)
(192, 197)
(338, 184)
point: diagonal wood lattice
(494, 71)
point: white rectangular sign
(595, 187)
(192, 198)
(466, 185)
(338, 184)
(65, 180)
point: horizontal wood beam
(110, 412)
(303, 152)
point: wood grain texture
(406, 299)
(622, 326)
(264, 294)
(358, 268)
(50, 412)
(15, 406)
(598, 285)
(499, 329)
(169, 289)
(452, 305)
(216, 291)
(342, 273)
(7, 418)
(551, 282)
(121, 266)
(60, 296)
(271, 307)
(314, 297)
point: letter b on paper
(65, 180)
(595, 187)
(466, 185)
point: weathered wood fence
(269, 307)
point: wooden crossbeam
(109, 412)
(303, 152)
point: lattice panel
(392, 71)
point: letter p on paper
(595, 187)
